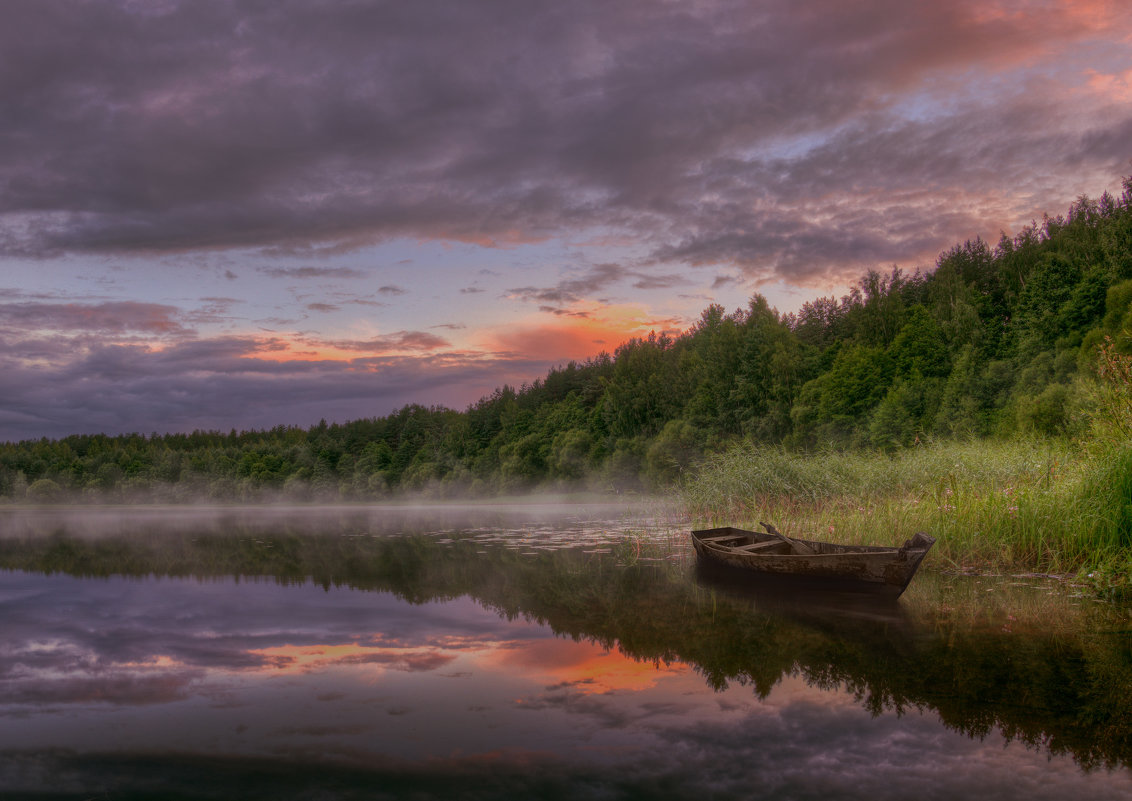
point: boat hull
(886, 571)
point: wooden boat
(855, 567)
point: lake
(531, 650)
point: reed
(1042, 505)
(1050, 505)
(967, 494)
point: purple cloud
(245, 382)
(312, 272)
(779, 138)
(106, 318)
(785, 141)
(401, 340)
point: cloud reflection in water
(145, 684)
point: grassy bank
(992, 502)
(1038, 504)
(1043, 505)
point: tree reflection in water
(1017, 659)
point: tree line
(995, 340)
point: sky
(252, 213)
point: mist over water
(548, 511)
(522, 650)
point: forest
(994, 341)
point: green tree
(1047, 412)
(774, 366)
(879, 314)
(1116, 236)
(836, 404)
(646, 389)
(920, 346)
(1039, 312)
(570, 454)
(905, 413)
(708, 361)
(44, 490)
(1116, 325)
(672, 452)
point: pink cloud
(109, 318)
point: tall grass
(1048, 505)
(1109, 483)
(996, 503)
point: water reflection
(463, 659)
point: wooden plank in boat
(759, 546)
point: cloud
(659, 281)
(781, 138)
(58, 385)
(880, 190)
(72, 647)
(120, 688)
(408, 662)
(154, 637)
(779, 141)
(595, 279)
(399, 341)
(312, 272)
(582, 315)
(117, 317)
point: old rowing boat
(858, 567)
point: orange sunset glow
(577, 337)
(583, 667)
(365, 240)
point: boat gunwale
(760, 536)
(810, 556)
(887, 570)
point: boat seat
(760, 546)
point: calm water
(525, 652)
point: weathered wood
(800, 547)
(759, 546)
(886, 570)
